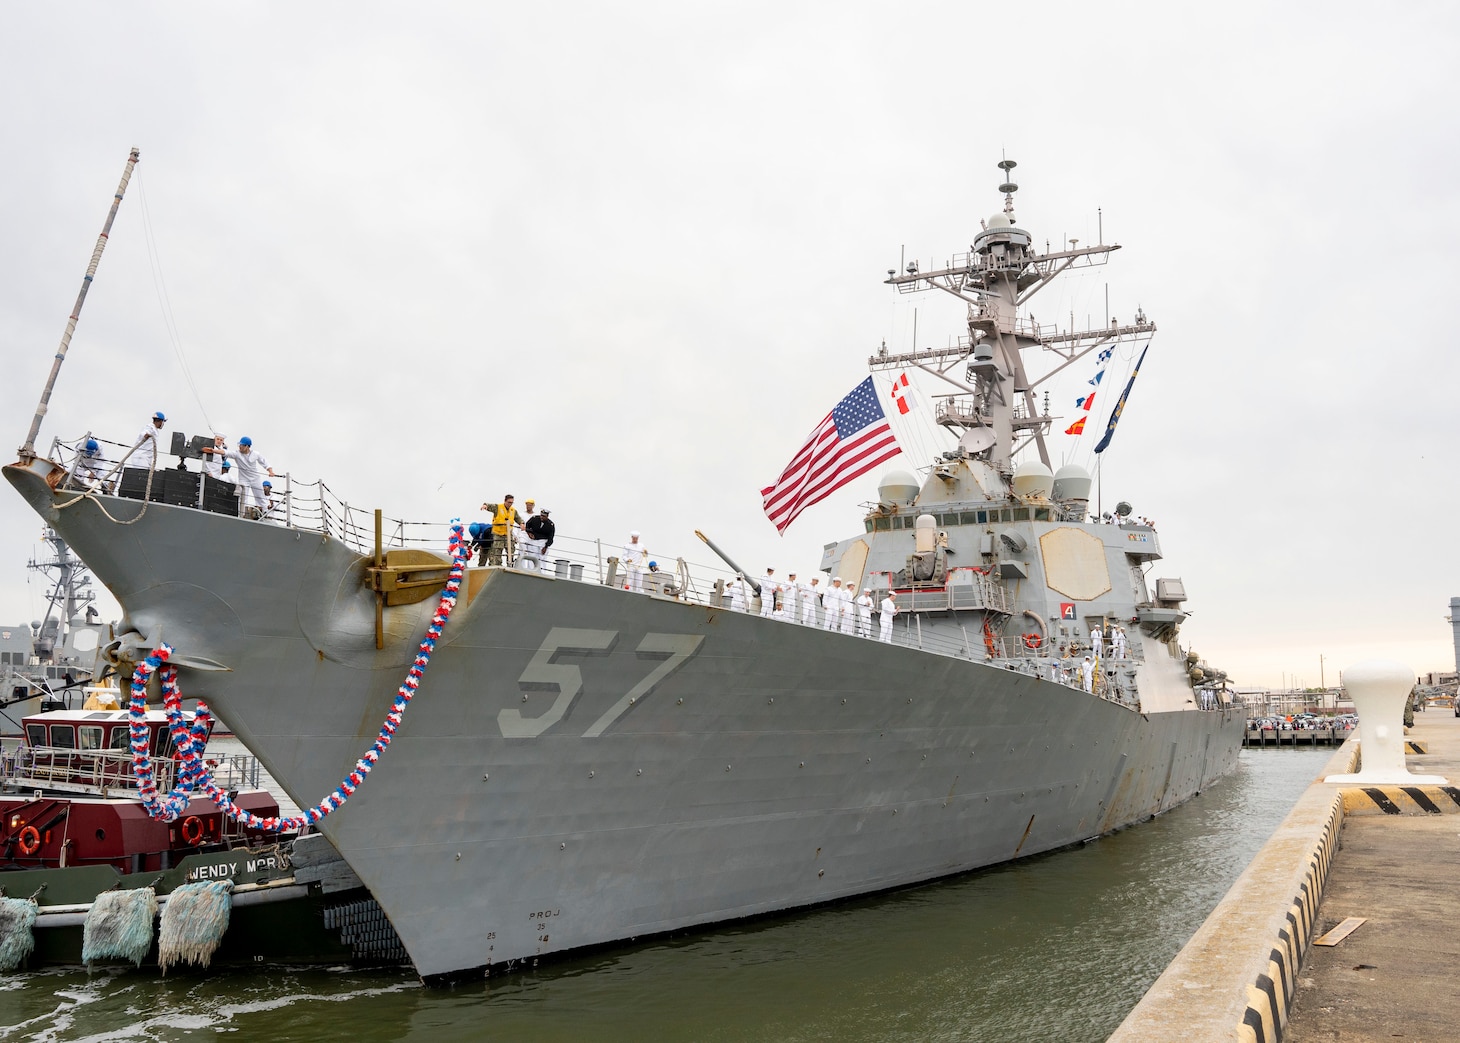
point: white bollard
(1379, 688)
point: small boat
(73, 828)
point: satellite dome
(1033, 479)
(898, 487)
(1001, 220)
(1072, 482)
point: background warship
(45, 665)
(586, 764)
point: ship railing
(110, 771)
(968, 641)
(966, 590)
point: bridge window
(35, 734)
(121, 737)
(90, 737)
(63, 736)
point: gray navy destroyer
(587, 764)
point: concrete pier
(1389, 854)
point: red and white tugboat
(72, 826)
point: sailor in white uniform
(633, 560)
(1097, 641)
(251, 470)
(888, 612)
(213, 462)
(145, 453)
(736, 589)
(864, 614)
(1117, 643)
(849, 608)
(810, 595)
(790, 592)
(88, 469)
(832, 601)
(768, 587)
(1087, 675)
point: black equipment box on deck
(220, 497)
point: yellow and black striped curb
(1416, 746)
(1270, 996)
(1401, 800)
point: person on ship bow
(540, 527)
(144, 451)
(504, 517)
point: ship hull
(584, 765)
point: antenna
(1008, 187)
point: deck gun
(726, 559)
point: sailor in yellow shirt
(504, 516)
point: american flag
(852, 439)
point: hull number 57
(668, 652)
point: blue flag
(1120, 405)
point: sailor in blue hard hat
(250, 468)
(144, 451)
(481, 541)
(88, 469)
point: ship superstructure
(1004, 556)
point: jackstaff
(27, 451)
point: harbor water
(1057, 947)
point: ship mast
(27, 451)
(994, 406)
(69, 595)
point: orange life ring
(192, 829)
(1032, 640)
(30, 840)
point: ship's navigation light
(892, 273)
(912, 267)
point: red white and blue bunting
(189, 739)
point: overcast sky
(623, 258)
